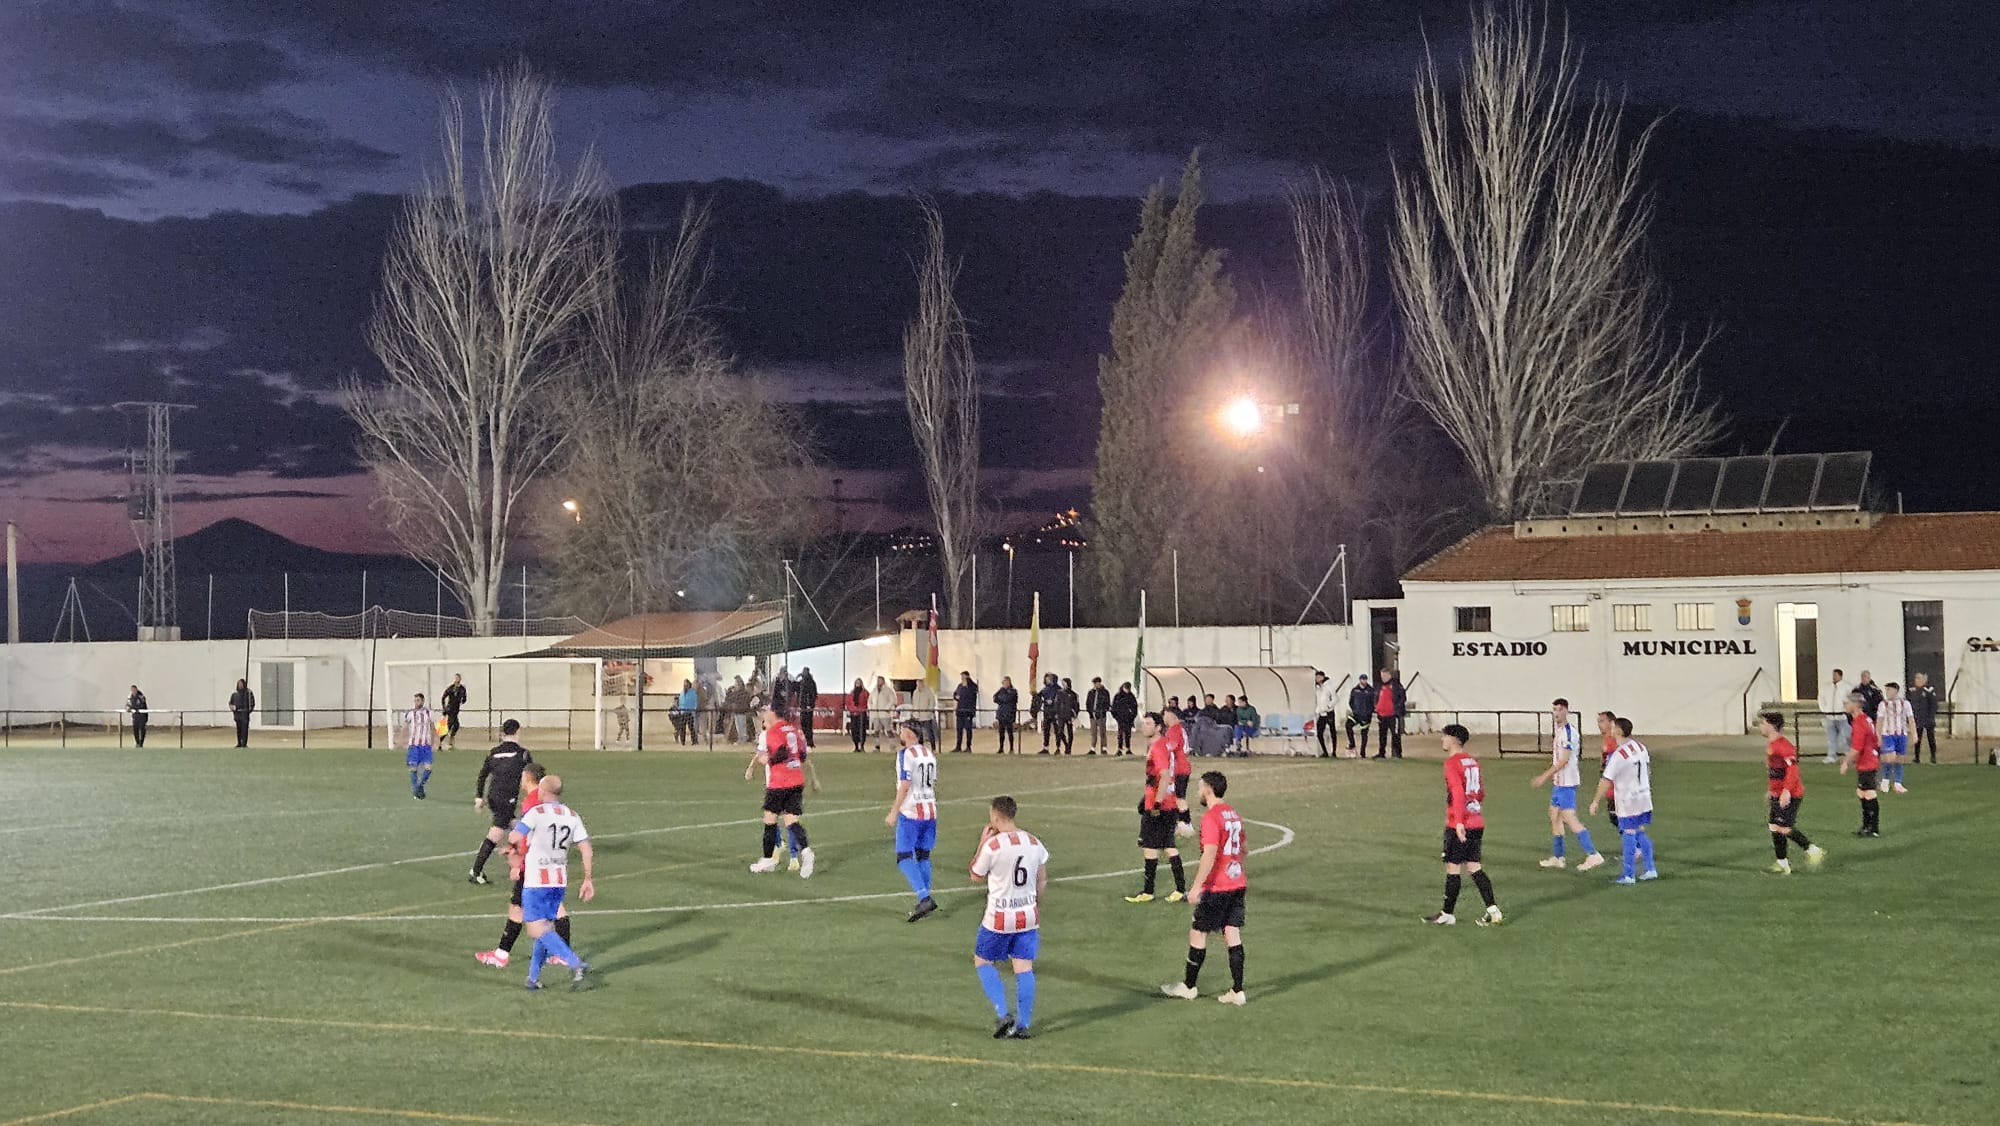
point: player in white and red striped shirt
(914, 815)
(1015, 867)
(1894, 720)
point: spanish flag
(931, 659)
(1035, 645)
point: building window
(1570, 619)
(1634, 617)
(1694, 615)
(1475, 619)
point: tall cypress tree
(1167, 333)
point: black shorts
(1219, 909)
(1156, 830)
(791, 799)
(1864, 779)
(1788, 815)
(1465, 851)
(503, 812)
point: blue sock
(989, 980)
(413, 781)
(1631, 852)
(552, 943)
(423, 777)
(1558, 846)
(1899, 772)
(924, 871)
(1024, 987)
(1646, 849)
(535, 955)
(797, 836)
(913, 875)
(1583, 840)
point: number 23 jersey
(551, 829)
(1012, 864)
(1222, 829)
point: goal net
(559, 701)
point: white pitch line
(381, 864)
(487, 916)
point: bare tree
(941, 390)
(686, 474)
(1535, 328)
(489, 273)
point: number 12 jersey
(551, 829)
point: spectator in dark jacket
(1006, 710)
(242, 702)
(856, 706)
(1125, 712)
(965, 702)
(1213, 713)
(1360, 711)
(1390, 706)
(1072, 707)
(1047, 709)
(136, 704)
(1924, 707)
(1097, 705)
(1870, 693)
(807, 691)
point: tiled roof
(679, 628)
(1958, 541)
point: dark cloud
(104, 49)
(200, 496)
(34, 176)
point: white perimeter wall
(1860, 627)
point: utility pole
(149, 505)
(13, 585)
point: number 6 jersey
(551, 829)
(1012, 864)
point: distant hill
(234, 546)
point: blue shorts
(1895, 744)
(1562, 797)
(1636, 821)
(996, 947)
(915, 836)
(540, 904)
(420, 755)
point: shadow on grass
(851, 1007)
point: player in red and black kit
(1176, 734)
(783, 757)
(1464, 826)
(1159, 808)
(1607, 729)
(1787, 793)
(1864, 753)
(1219, 883)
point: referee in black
(503, 765)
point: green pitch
(222, 937)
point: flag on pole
(931, 662)
(1139, 653)
(1035, 645)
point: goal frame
(595, 664)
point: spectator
(1834, 705)
(965, 703)
(857, 715)
(806, 689)
(782, 690)
(1326, 706)
(136, 704)
(1072, 707)
(1006, 709)
(685, 706)
(884, 697)
(1125, 712)
(1247, 721)
(1173, 704)
(1924, 706)
(241, 703)
(1360, 712)
(1390, 704)
(623, 715)
(736, 705)
(1045, 708)
(1097, 705)
(1870, 693)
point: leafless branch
(941, 390)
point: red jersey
(1160, 774)
(1176, 737)
(784, 756)
(1385, 701)
(1781, 762)
(1222, 829)
(1464, 792)
(1866, 744)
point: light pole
(1009, 549)
(1243, 418)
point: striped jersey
(1895, 717)
(1566, 742)
(917, 765)
(420, 724)
(1011, 863)
(550, 830)
(1630, 769)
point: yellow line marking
(319, 1108)
(516, 1034)
(55, 1114)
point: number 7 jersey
(1012, 864)
(551, 829)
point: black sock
(1152, 871)
(1874, 813)
(1484, 885)
(562, 927)
(1778, 844)
(1180, 873)
(1800, 838)
(508, 934)
(799, 836)
(485, 852)
(1450, 894)
(1236, 967)
(1195, 958)
(770, 840)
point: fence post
(1975, 738)
(181, 727)
(121, 731)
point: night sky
(194, 197)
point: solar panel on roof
(1792, 479)
(1694, 486)
(1646, 489)
(1842, 480)
(1742, 487)
(1602, 485)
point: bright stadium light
(1243, 416)
(574, 509)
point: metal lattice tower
(149, 503)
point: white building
(1688, 624)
